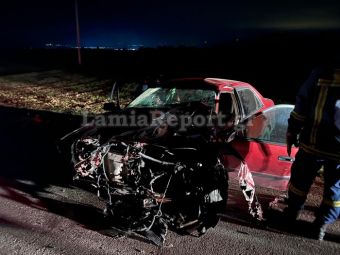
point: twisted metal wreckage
(159, 177)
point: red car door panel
(262, 145)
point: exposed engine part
(148, 193)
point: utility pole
(78, 32)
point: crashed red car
(163, 161)
(260, 125)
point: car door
(262, 145)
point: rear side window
(271, 125)
(250, 103)
(276, 124)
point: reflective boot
(319, 231)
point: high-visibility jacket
(315, 114)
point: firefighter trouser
(303, 173)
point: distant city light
(133, 47)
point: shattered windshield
(162, 97)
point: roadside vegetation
(60, 91)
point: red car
(172, 145)
(262, 125)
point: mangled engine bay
(145, 193)
(156, 177)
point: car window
(271, 125)
(250, 103)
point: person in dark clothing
(314, 127)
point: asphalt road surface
(42, 212)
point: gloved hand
(291, 139)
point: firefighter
(314, 127)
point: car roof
(212, 83)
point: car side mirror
(110, 107)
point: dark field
(276, 65)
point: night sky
(158, 23)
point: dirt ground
(59, 91)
